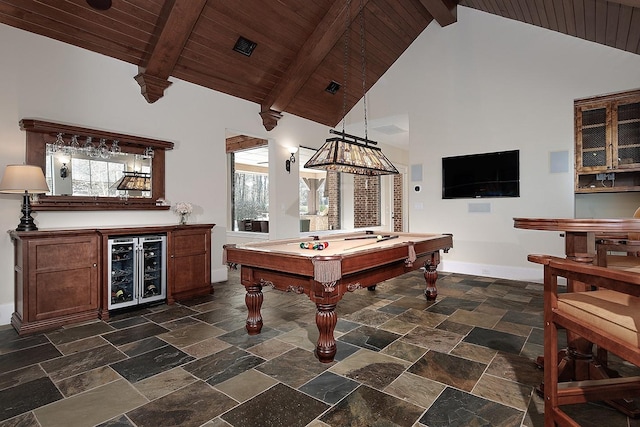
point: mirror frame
(39, 133)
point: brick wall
(397, 202)
(366, 201)
(332, 186)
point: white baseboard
(6, 310)
(498, 271)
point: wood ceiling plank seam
(242, 76)
(530, 6)
(374, 67)
(230, 88)
(376, 54)
(329, 114)
(511, 11)
(497, 10)
(175, 31)
(590, 19)
(377, 28)
(123, 53)
(601, 22)
(578, 15)
(266, 55)
(633, 41)
(569, 17)
(518, 11)
(241, 22)
(284, 93)
(80, 19)
(475, 4)
(551, 15)
(611, 33)
(142, 10)
(419, 9)
(623, 27)
(314, 50)
(396, 21)
(542, 13)
(320, 43)
(220, 63)
(407, 10)
(526, 13)
(309, 12)
(217, 27)
(293, 19)
(490, 7)
(561, 21)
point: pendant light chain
(349, 153)
(346, 64)
(364, 68)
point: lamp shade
(134, 181)
(21, 178)
(340, 155)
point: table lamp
(25, 180)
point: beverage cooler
(137, 270)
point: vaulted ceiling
(300, 46)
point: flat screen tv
(481, 175)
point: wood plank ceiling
(301, 46)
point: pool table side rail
(351, 263)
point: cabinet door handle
(95, 265)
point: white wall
(43, 78)
(487, 84)
(482, 84)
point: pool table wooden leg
(254, 299)
(431, 275)
(326, 319)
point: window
(319, 196)
(250, 185)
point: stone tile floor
(465, 360)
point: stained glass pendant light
(349, 153)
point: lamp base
(26, 222)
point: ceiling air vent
(333, 87)
(244, 46)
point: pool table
(350, 261)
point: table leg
(254, 299)
(326, 319)
(430, 276)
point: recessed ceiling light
(333, 87)
(100, 4)
(244, 46)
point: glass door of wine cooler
(122, 274)
(152, 271)
(137, 270)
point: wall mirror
(88, 169)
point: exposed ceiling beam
(181, 18)
(445, 14)
(315, 49)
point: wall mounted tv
(481, 175)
